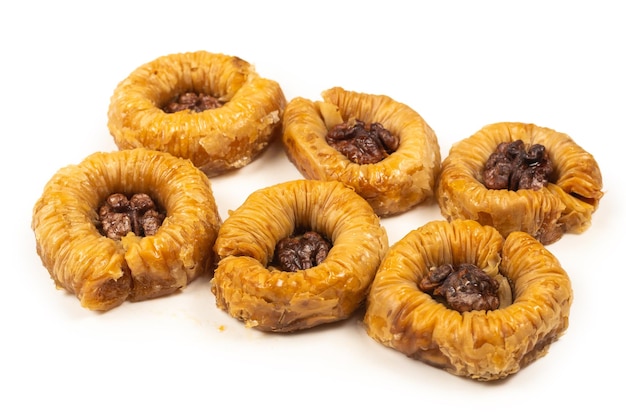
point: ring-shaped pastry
(479, 344)
(399, 182)
(566, 204)
(104, 272)
(215, 140)
(270, 299)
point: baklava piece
(381, 148)
(461, 297)
(126, 225)
(521, 177)
(211, 108)
(296, 255)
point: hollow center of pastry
(301, 251)
(195, 102)
(463, 288)
(515, 166)
(362, 143)
(120, 214)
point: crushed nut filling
(362, 143)
(463, 288)
(120, 215)
(514, 167)
(300, 252)
(196, 102)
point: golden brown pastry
(563, 203)
(484, 344)
(282, 291)
(213, 109)
(126, 225)
(405, 174)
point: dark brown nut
(463, 288)
(402, 179)
(534, 291)
(250, 288)
(119, 215)
(213, 109)
(514, 166)
(564, 204)
(196, 102)
(103, 272)
(362, 143)
(301, 251)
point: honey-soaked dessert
(381, 148)
(296, 255)
(521, 177)
(126, 225)
(459, 296)
(211, 108)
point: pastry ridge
(270, 299)
(566, 205)
(401, 181)
(102, 272)
(216, 140)
(481, 345)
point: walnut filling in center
(362, 143)
(196, 102)
(463, 288)
(120, 215)
(301, 251)
(513, 166)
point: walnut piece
(514, 167)
(463, 288)
(196, 102)
(362, 143)
(301, 252)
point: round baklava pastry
(459, 296)
(211, 108)
(296, 255)
(126, 225)
(381, 148)
(521, 177)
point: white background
(461, 65)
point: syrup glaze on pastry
(486, 343)
(405, 168)
(211, 108)
(344, 244)
(126, 225)
(560, 202)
